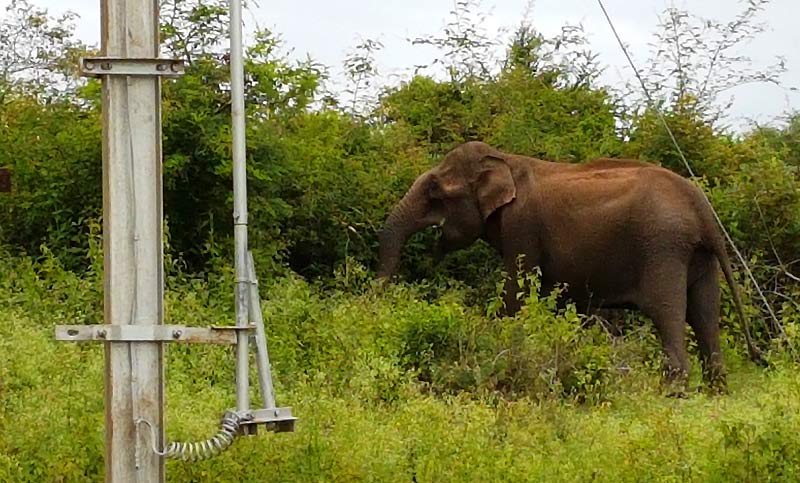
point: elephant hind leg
(664, 301)
(702, 313)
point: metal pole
(132, 234)
(239, 203)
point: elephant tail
(718, 245)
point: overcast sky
(327, 29)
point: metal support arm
(148, 333)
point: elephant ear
(495, 185)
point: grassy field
(394, 387)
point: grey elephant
(618, 233)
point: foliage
(322, 178)
(571, 124)
(440, 114)
(419, 380)
(703, 150)
(53, 153)
(564, 60)
(192, 29)
(544, 396)
(467, 49)
(361, 72)
(783, 141)
(698, 59)
(40, 52)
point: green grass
(393, 387)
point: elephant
(617, 233)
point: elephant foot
(675, 383)
(717, 387)
(715, 378)
(713, 391)
(678, 394)
(676, 389)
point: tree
(467, 48)
(361, 71)
(194, 28)
(38, 52)
(694, 62)
(564, 60)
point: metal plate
(147, 333)
(278, 420)
(100, 66)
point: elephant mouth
(448, 241)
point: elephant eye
(435, 190)
(435, 205)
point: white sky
(327, 29)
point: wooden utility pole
(132, 239)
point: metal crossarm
(147, 333)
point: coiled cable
(197, 451)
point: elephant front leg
(512, 296)
(517, 285)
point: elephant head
(460, 194)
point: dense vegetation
(421, 381)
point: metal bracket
(100, 66)
(279, 420)
(148, 333)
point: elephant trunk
(391, 244)
(408, 217)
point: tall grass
(392, 386)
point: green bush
(532, 116)
(53, 153)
